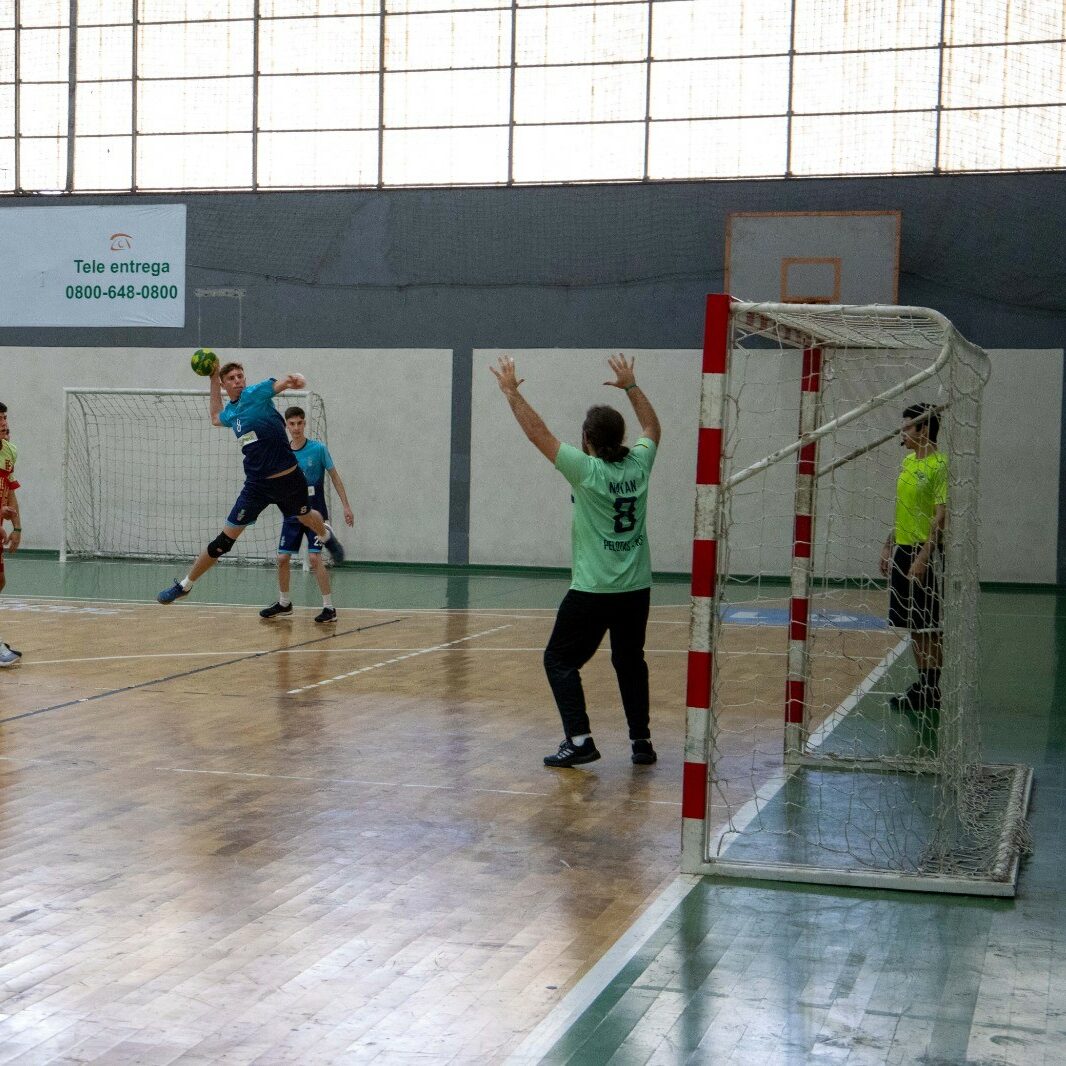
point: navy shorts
(293, 532)
(288, 493)
(914, 605)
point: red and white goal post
(798, 767)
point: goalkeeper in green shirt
(611, 587)
(911, 558)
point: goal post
(799, 766)
(147, 476)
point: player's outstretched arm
(289, 381)
(625, 379)
(349, 518)
(532, 424)
(216, 397)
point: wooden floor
(228, 840)
(225, 840)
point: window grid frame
(256, 21)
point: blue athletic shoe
(334, 546)
(175, 592)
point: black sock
(930, 684)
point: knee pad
(220, 545)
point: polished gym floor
(228, 840)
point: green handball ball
(204, 362)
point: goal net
(146, 475)
(799, 765)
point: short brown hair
(294, 412)
(227, 367)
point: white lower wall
(388, 412)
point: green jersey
(608, 534)
(922, 486)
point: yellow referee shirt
(922, 486)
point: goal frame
(706, 592)
(72, 390)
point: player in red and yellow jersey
(9, 510)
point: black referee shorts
(915, 605)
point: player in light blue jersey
(315, 462)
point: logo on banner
(121, 242)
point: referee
(912, 559)
(610, 590)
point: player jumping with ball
(272, 475)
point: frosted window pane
(199, 48)
(327, 101)
(44, 55)
(7, 112)
(823, 25)
(310, 8)
(1021, 74)
(194, 106)
(105, 52)
(7, 55)
(199, 161)
(44, 12)
(96, 12)
(726, 87)
(698, 29)
(195, 10)
(445, 157)
(863, 144)
(307, 159)
(401, 7)
(7, 164)
(579, 153)
(582, 35)
(103, 162)
(729, 148)
(996, 21)
(296, 46)
(448, 98)
(43, 110)
(1004, 140)
(475, 39)
(580, 94)
(871, 81)
(43, 164)
(106, 107)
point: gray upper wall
(578, 266)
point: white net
(854, 790)
(147, 476)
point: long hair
(604, 428)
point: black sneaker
(327, 614)
(275, 609)
(643, 753)
(571, 754)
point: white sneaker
(8, 656)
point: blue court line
(739, 615)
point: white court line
(567, 1011)
(397, 659)
(574, 1004)
(307, 651)
(347, 781)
